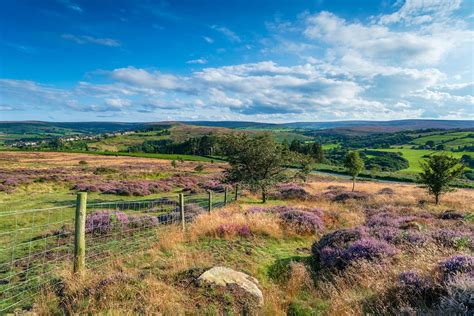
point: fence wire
(36, 244)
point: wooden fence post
(236, 191)
(80, 233)
(210, 201)
(181, 210)
(225, 196)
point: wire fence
(37, 244)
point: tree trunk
(264, 196)
(353, 183)
(437, 199)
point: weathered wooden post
(236, 191)
(210, 200)
(181, 210)
(80, 233)
(225, 196)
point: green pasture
(415, 156)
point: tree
(306, 166)
(438, 172)
(173, 163)
(258, 161)
(354, 165)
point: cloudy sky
(271, 61)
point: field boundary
(36, 245)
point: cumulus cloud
(85, 39)
(397, 65)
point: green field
(415, 156)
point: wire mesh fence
(35, 245)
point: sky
(257, 60)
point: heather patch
(300, 220)
(344, 196)
(106, 221)
(290, 191)
(457, 265)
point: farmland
(406, 235)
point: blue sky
(273, 61)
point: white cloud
(200, 61)
(421, 11)
(85, 39)
(231, 35)
(208, 39)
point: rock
(225, 277)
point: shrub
(451, 214)
(105, 221)
(302, 222)
(343, 196)
(290, 191)
(458, 298)
(386, 191)
(457, 265)
(370, 249)
(242, 230)
(83, 162)
(199, 168)
(388, 219)
(453, 238)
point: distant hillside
(37, 128)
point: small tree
(354, 165)
(438, 172)
(258, 161)
(173, 163)
(305, 166)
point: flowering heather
(343, 196)
(301, 220)
(333, 242)
(411, 279)
(388, 219)
(143, 221)
(290, 191)
(126, 187)
(242, 230)
(457, 265)
(106, 221)
(368, 249)
(453, 238)
(102, 222)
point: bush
(290, 191)
(199, 168)
(83, 162)
(451, 214)
(301, 220)
(343, 196)
(457, 265)
(386, 191)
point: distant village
(64, 139)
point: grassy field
(415, 156)
(154, 271)
(161, 278)
(448, 139)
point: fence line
(36, 244)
